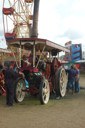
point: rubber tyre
(44, 91)
(18, 93)
(60, 82)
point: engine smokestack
(35, 19)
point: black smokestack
(35, 19)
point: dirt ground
(68, 112)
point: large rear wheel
(60, 82)
(19, 94)
(44, 91)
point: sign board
(75, 53)
(68, 44)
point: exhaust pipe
(35, 19)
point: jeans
(69, 83)
(77, 86)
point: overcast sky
(59, 21)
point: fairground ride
(17, 18)
(20, 20)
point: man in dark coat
(71, 79)
(77, 86)
(10, 77)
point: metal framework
(17, 18)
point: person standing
(71, 79)
(77, 77)
(10, 77)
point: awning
(39, 44)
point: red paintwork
(8, 11)
(51, 78)
(29, 1)
(30, 17)
(34, 70)
(48, 71)
(57, 64)
(51, 86)
(2, 84)
(78, 66)
(10, 34)
(33, 90)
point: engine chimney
(35, 19)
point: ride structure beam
(14, 57)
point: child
(19, 72)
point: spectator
(77, 86)
(21, 73)
(27, 61)
(10, 76)
(71, 79)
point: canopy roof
(39, 44)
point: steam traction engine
(44, 74)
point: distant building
(68, 44)
(75, 52)
(83, 55)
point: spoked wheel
(44, 91)
(19, 94)
(60, 82)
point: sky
(59, 21)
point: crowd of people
(73, 79)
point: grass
(32, 101)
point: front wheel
(44, 91)
(19, 94)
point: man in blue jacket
(77, 86)
(71, 79)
